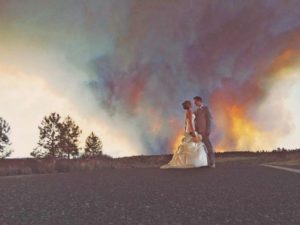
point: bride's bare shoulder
(189, 113)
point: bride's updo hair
(187, 104)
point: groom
(203, 126)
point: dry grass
(260, 158)
(10, 167)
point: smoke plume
(140, 59)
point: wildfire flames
(240, 132)
(235, 107)
(177, 141)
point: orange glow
(178, 134)
(283, 63)
(177, 140)
(241, 132)
(234, 106)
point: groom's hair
(198, 98)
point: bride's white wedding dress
(189, 153)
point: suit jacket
(203, 120)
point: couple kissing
(195, 149)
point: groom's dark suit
(203, 127)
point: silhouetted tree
(50, 131)
(5, 151)
(93, 146)
(68, 139)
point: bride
(191, 152)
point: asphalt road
(233, 193)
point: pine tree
(69, 135)
(50, 131)
(5, 151)
(93, 146)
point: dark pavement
(233, 193)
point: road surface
(232, 193)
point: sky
(123, 68)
